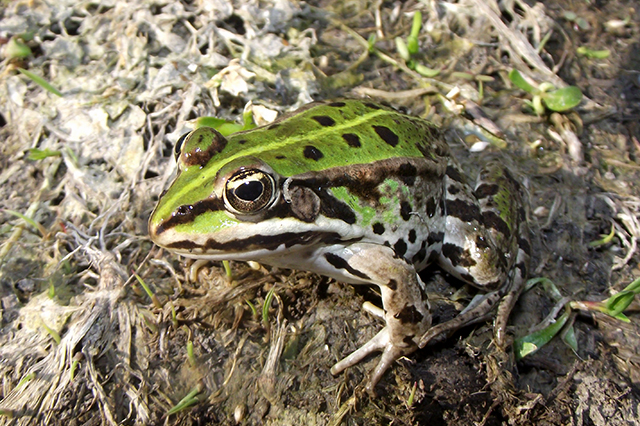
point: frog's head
(223, 205)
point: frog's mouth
(255, 241)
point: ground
(82, 342)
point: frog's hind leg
(480, 245)
(502, 201)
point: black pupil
(249, 191)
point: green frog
(359, 192)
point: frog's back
(322, 135)
(385, 169)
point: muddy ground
(132, 78)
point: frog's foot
(381, 342)
(475, 313)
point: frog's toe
(390, 353)
(379, 342)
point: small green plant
(191, 358)
(150, 293)
(41, 82)
(605, 239)
(30, 221)
(411, 47)
(40, 154)
(578, 21)
(563, 325)
(16, 48)
(593, 54)
(189, 400)
(614, 305)
(546, 95)
(266, 306)
(227, 269)
(54, 334)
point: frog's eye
(178, 148)
(248, 191)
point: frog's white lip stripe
(267, 242)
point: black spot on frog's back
(387, 135)
(312, 153)
(324, 120)
(352, 140)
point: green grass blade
(41, 82)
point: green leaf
(40, 154)
(617, 303)
(529, 344)
(186, 402)
(563, 99)
(209, 122)
(30, 221)
(267, 305)
(247, 119)
(426, 71)
(570, 339)
(41, 82)
(402, 49)
(582, 23)
(416, 24)
(517, 79)
(606, 239)
(16, 48)
(371, 42)
(595, 54)
(412, 45)
(412, 40)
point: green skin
(358, 192)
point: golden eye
(249, 191)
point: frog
(356, 191)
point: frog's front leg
(405, 306)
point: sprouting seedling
(578, 21)
(411, 47)
(554, 99)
